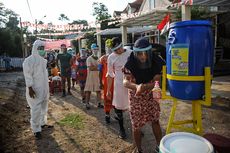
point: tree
(40, 22)
(13, 23)
(10, 38)
(75, 45)
(91, 38)
(2, 17)
(63, 17)
(101, 13)
(84, 22)
(197, 13)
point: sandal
(47, 126)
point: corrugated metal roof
(116, 31)
(223, 3)
(154, 17)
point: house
(129, 9)
(143, 13)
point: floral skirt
(143, 109)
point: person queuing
(65, 62)
(74, 71)
(103, 82)
(37, 88)
(116, 62)
(82, 72)
(92, 80)
(141, 70)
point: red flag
(164, 22)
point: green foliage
(12, 23)
(10, 43)
(10, 38)
(60, 37)
(100, 11)
(75, 44)
(84, 22)
(63, 17)
(91, 38)
(197, 13)
(73, 120)
(102, 15)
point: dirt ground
(77, 130)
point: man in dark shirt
(65, 67)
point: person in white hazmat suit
(37, 88)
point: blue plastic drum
(189, 50)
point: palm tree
(63, 17)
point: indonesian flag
(164, 25)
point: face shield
(116, 47)
(94, 52)
(143, 57)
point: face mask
(42, 53)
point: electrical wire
(28, 4)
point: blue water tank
(189, 50)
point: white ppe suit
(36, 76)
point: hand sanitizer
(156, 91)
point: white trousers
(38, 112)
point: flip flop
(47, 126)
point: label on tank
(180, 59)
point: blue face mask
(42, 53)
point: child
(56, 79)
(73, 71)
(82, 72)
(55, 73)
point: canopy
(49, 45)
(153, 17)
(117, 31)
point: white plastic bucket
(182, 142)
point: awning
(56, 44)
(154, 17)
(117, 31)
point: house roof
(117, 13)
(136, 4)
